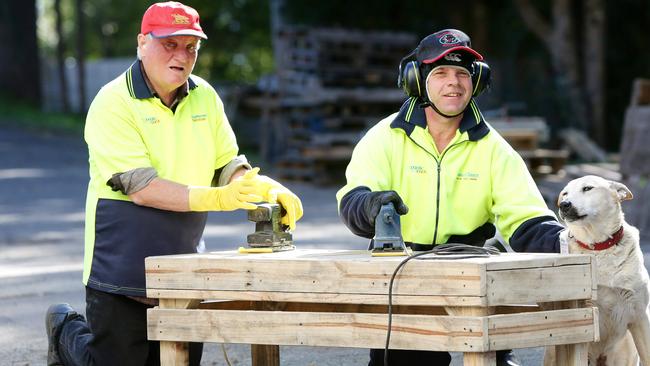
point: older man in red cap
(161, 155)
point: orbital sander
(270, 234)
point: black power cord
(444, 251)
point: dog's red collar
(616, 237)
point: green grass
(22, 114)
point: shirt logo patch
(467, 176)
(199, 117)
(417, 169)
(151, 120)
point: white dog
(591, 209)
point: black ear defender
(480, 77)
(411, 80)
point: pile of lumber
(635, 157)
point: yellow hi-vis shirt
(477, 179)
(128, 128)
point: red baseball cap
(448, 47)
(171, 19)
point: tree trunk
(560, 42)
(566, 64)
(81, 55)
(480, 20)
(594, 61)
(19, 61)
(60, 57)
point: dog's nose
(565, 205)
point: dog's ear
(622, 192)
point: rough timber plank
(533, 260)
(480, 359)
(314, 271)
(267, 355)
(380, 299)
(318, 329)
(544, 328)
(347, 273)
(174, 353)
(640, 92)
(544, 284)
(636, 132)
(441, 333)
(573, 355)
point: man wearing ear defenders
(161, 155)
(449, 174)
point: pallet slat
(363, 330)
(355, 273)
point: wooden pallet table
(339, 298)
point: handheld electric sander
(388, 241)
(270, 234)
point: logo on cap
(449, 38)
(180, 19)
(454, 57)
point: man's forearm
(164, 195)
(238, 173)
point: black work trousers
(114, 334)
(399, 357)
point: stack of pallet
(635, 157)
(332, 85)
(525, 134)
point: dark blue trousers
(114, 334)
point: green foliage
(26, 115)
(239, 41)
(238, 48)
(383, 15)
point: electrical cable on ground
(450, 251)
(225, 354)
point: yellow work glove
(240, 193)
(274, 192)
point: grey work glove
(375, 200)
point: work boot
(55, 317)
(507, 358)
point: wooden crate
(544, 161)
(339, 298)
(640, 92)
(521, 139)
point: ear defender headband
(411, 80)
